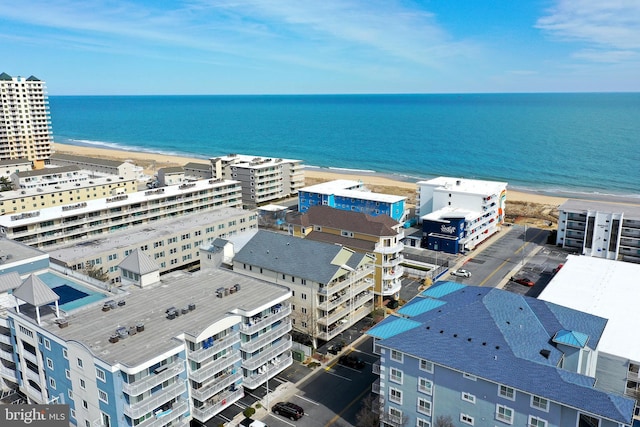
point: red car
(523, 281)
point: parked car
(523, 281)
(351, 362)
(288, 409)
(555, 270)
(461, 273)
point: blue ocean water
(554, 143)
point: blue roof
(419, 306)
(443, 289)
(392, 326)
(507, 338)
(571, 338)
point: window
(470, 377)
(52, 383)
(422, 423)
(82, 384)
(49, 363)
(536, 422)
(395, 375)
(395, 415)
(396, 355)
(588, 421)
(103, 396)
(467, 419)
(424, 406)
(395, 395)
(73, 413)
(540, 403)
(426, 366)
(504, 414)
(70, 393)
(67, 374)
(85, 404)
(79, 363)
(425, 386)
(100, 374)
(507, 392)
(303, 296)
(64, 353)
(467, 397)
(47, 344)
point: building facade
(458, 214)
(479, 357)
(351, 196)
(263, 179)
(121, 361)
(97, 167)
(76, 220)
(10, 166)
(25, 122)
(331, 285)
(600, 229)
(379, 235)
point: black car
(288, 409)
(351, 362)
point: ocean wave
(132, 148)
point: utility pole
(524, 242)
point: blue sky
(108, 47)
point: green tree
(5, 184)
(368, 415)
(95, 273)
(444, 421)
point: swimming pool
(72, 294)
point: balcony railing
(257, 361)
(266, 338)
(375, 387)
(209, 370)
(8, 373)
(149, 404)
(390, 249)
(222, 401)
(254, 381)
(147, 383)
(5, 339)
(162, 418)
(252, 328)
(219, 345)
(6, 355)
(375, 368)
(202, 394)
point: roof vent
(545, 353)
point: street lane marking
(356, 400)
(308, 400)
(339, 376)
(280, 419)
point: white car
(461, 273)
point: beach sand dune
(522, 207)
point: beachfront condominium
(263, 179)
(25, 122)
(180, 349)
(352, 196)
(169, 244)
(96, 167)
(458, 214)
(73, 221)
(331, 284)
(600, 229)
(475, 356)
(378, 235)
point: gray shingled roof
(48, 171)
(138, 262)
(198, 166)
(86, 159)
(349, 242)
(9, 281)
(34, 291)
(315, 261)
(357, 222)
(171, 169)
(17, 161)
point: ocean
(562, 144)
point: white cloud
(613, 25)
(606, 56)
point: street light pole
(524, 242)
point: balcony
(391, 288)
(266, 338)
(8, 373)
(219, 345)
(151, 403)
(253, 381)
(32, 375)
(212, 408)
(152, 380)
(375, 368)
(202, 394)
(394, 420)
(255, 362)
(394, 249)
(375, 387)
(162, 418)
(392, 262)
(6, 355)
(252, 328)
(393, 274)
(208, 370)
(5, 340)
(30, 357)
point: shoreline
(151, 162)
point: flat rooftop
(463, 185)
(72, 209)
(630, 211)
(351, 189)
(133, 235)
(605, 288)
(448, 211)
(14, 252)
(92, 327)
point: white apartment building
(331, 285)
(458, 214)
(183, 348)
(263, 179)
(10, 166)
(25, 122)
(91, 219)
(97, 167)
(600, 229)
(171, 243)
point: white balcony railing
(152, 380)
(153, 402)
(202, 394)
(265, 356)
(266, 338)
(221, 401)
(253, 381)
(219, 345)
(163, 418)
(208, 370)
(253, 327)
